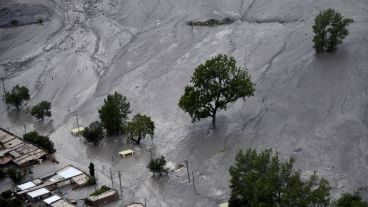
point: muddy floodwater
(308, 106)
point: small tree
(94, 132)
(215, 84)
(263, 180)
(14, 22)
(140, 127)
(114, 113)
(40, 141)
(16, 175)
(91, 168)
(350, 200)
(330, 28)
(17, 96)
(157, 165)
(41, 110)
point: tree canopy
(91, 168)
(17, 96)
(330, 28)
(114, 113)
(263, 180)
(140, 127)
(157, 165)
(41, 110)
(215, 83)
(40, 141)
(350, 200)
(94, 132)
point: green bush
(101, 190)
(40, 141)
(14, 22)
(330, 28)
(91, 180)
(7, 194)
(157, 165)
(16, 175)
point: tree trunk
(214, 120)
(137, 141)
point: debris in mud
(212, 22)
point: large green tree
(215, 83)
(94, 132)
(330, 28)
(114, 113)
(40, 141)
(140, 127)
(17, 96)
(263, 180)
(41, 110)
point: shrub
(157, 165)
(7, 194)
(16, 175)
(40, 141)
(94, 132)
(14, 22)
(101, 190)
(330, 28)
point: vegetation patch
(40, 141)
(100, 191)
(211, 22)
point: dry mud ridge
(311, 107)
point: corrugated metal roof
(38, 192)
(26, 185)
(69, 172)
(52, 199)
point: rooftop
(52, 199)
(12, 143)
(102, 195)
(26, 185)
(69, 172)
(38, 192)
(62, 203)
(80, 179)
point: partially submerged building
(16, 150)
(57, 201)
(103, 198)
(38, 194)
(68, 175)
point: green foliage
(14, 22)
(17, 96)
(330, 28)
(114, 113)
(262, 180)
(215, 84)
(2, 173)
(157, 165)
(40, 141)
(16, 175)
(91, 168)
(350, 200)
(101, 190)
(7, 194)
(10, 202)
(140, 127)
(41, 110)
(94, 132)
(91, 180)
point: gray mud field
(308, 106)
